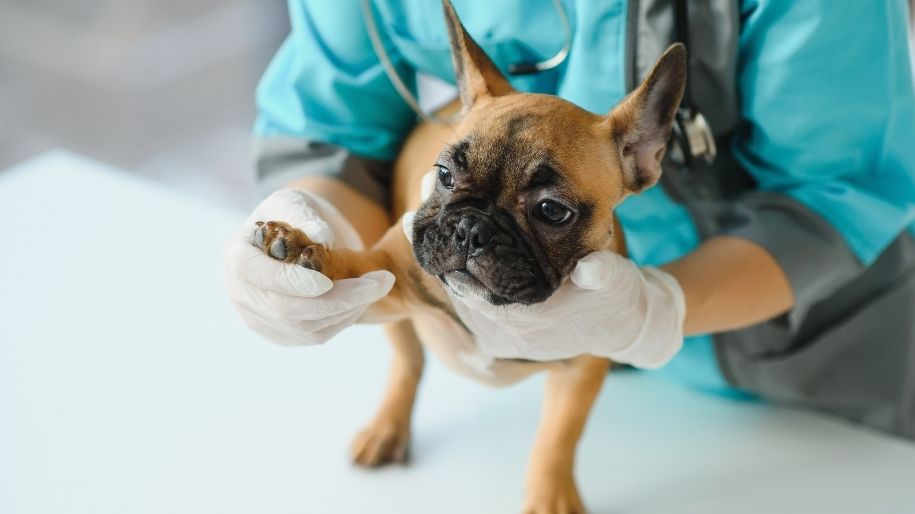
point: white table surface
(129, 385)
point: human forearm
(730, 283)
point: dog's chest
(455, 347)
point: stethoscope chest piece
(693, 140)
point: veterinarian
(786, 211)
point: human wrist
(660, 335)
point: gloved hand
(609, 307)
(289, 304)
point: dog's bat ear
(474, 71)
(642, 122)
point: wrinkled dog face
(529, 183)
(508, 219)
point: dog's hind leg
(571, 389)
(387, 437)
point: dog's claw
(257, 239)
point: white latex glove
(289, 304)
(609, 307)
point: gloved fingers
(659, 335)
(274, 330)
(364, 290)
(426, 188)
(345, 295)
(598, 269)
(298, 209)
(406, 223)
(299, 333)
(244, 261)
(343, 321)
(427, 185)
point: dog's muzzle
(474, 251)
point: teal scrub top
(825, 94)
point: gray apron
(847, 347)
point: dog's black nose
(480, 235)
(473, 233)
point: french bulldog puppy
(526, 187)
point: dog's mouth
(472, 253)
(462, 283)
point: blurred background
(103, 406)
(162, 88)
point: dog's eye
(554, 212)
(444, 176)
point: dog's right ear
(476, 75)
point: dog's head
(529, 183)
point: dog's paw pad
(285, 243)
(278, 249)
(312, 257)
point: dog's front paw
(386, 440)
(553, 495)
(288, 244)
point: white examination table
(128, 384)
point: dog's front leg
(393, 253)
(386, 438)
(571, 389)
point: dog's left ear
(475, 72)
(641, 123)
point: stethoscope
(692, 139)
